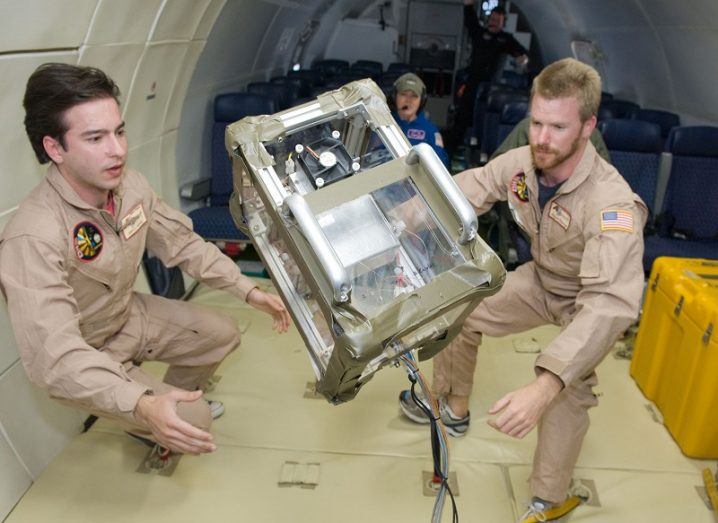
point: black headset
(422, 100)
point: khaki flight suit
(586, 276)
(67, 271)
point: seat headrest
(514, 112)
(231, 107)
(631, 135)
(621, 108)
(694, 141)
(665, 119)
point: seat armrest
(196, 190)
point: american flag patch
(617, 220)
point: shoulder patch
(519, 188)
(616, 220)
(87, 240)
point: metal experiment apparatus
(369, 241)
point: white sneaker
(216, 408)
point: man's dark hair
(53, 89)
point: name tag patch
(560, 215)
(133, 222)
(416, 134)
(617, 220)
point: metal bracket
(295, 474)
(159, 461)
(430, 488)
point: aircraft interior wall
(171, 57)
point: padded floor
(370, 459)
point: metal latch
(679, 306)
(655, 282)
(707, 334)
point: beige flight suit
(586, 276)
(67, 271)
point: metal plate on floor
(430, 488)
(157, 463)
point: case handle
(424, 154)
(328, 259)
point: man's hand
(159, 413)
(272, 305)
(523, 408)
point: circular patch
(519, 187)
(87, 240)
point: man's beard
(556, 159)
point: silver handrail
(328, 259)
(423, 153)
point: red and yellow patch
(87, 240)
(519, 188)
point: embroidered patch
(560, 215)
(133, 221)
(416, 134)
(617, 220)
(87, 240)
(519, 187)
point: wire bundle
(439, 447)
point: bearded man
(585, 226)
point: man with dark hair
(585, 226)
(69, 258)
(488, 45)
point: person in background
(69, 258)
(488, 45)
(409, 102)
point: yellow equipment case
(675, 359)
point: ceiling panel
(122, 22)
(38, 24)
(179, 20)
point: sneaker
(216, 408)
(455, 426)
(540, 510)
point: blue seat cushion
(215, 223)
(656, 246)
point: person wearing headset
(409, 99)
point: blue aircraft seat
(374, 68)
(300, 87)
(635, 148)
(620, 108)
(214, 222)
(282, 94)
(511, 114)
(665, 119)
(331, 67)
(399, 67)
(314, 77)
(491, 120)
(688, 223)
